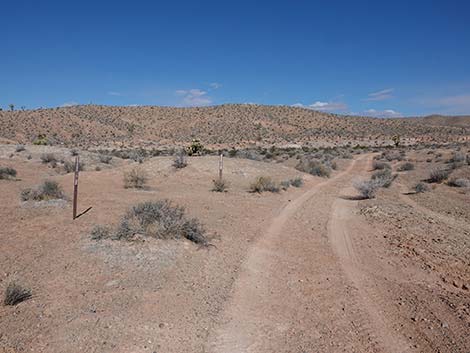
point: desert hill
(231, 124)
(442, 120)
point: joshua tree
(396, 140)
(12, 107)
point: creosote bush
(15, 294)
(157, 219)
(219, 185)
(263, 183)
(48, 190)
(135, 178)
(7, 173)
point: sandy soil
(311, 269)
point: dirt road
(300, 289)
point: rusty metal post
(221, 165)
(75, 186)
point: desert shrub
(285, 184)
(180, 160)
(314, 167)
(69, 166)
(100, 232)
(297, 182)
(7, 173)
(41, 140)
(20, 148)
(160, 219)
(367, 188)
(219, 185)
(438, 175)
(48, 158)
(383, 177)
(105, 158)
(421, 187)
(15, 294)
(74, 152)
(135, 178)
(457, 157)
(467, 159)
(406, 166)
(262, 184)
(196, 148)
(48, 190)
(459, 182)
(377, 165)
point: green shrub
(41, 140)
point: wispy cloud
(387, 113)
(69, 104)
(194, 97)
(380, 95)
(114, 93)
(458, 104)
(324, 106)
(215, 85)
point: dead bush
(15, 294)
(383, 177)
(69, 166)
(100, 232)
(263, 183)
(135, 178)
(459, 182)
(378, 165)
(48, 158)
(421, 187)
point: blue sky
(383, 58)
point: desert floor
(309, 269)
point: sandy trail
(295, 285)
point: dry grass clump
(367, 188)
(48, 190)
(15, 294)
(263, 183)
(7, 173)
(421, 187)
(406, 167)
(384, 177)
(219, 185)
(459, 182)
(438, 175)
(156, 219)
(135, 178)
(69, 166)
(378, 165)
(180, 160)
(48, 158)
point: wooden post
(75, 186)
(221, 165)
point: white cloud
(380, 95)
(324, 106)
(215, 85)
(194, 97)
(69, 104)
(114, 93)
(387, 113)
